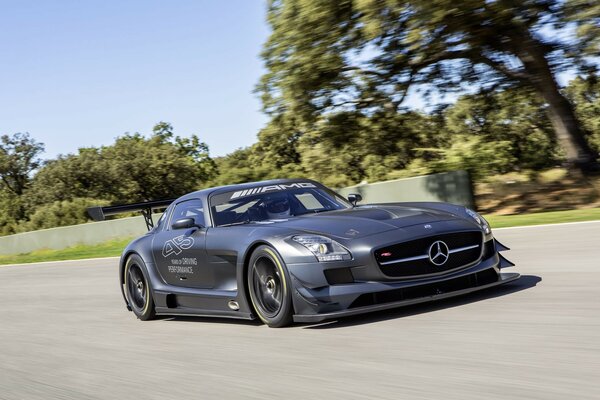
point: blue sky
(80, 73)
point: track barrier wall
(450, 187)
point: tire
(137, 288)
(269, 287)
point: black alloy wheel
(137, 289)
(269, 287)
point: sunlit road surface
(65, 334)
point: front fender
(141, 247)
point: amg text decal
(271, 188)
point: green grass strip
(111, 248)
(542, 218)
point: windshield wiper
(320, 211)
(309, 212)
(238, 223)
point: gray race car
(293, 250)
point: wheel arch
(122, 262)
(246, 264)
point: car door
(180, 254)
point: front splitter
(504, 277)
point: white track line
(546, 225)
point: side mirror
(354, 198)
(185, 223)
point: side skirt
(200, 302)
(203, 313)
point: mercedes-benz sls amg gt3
(293, 250)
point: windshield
(273, 202)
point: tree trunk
(566, 127)
(560, 110)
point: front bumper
(312, 318)
(335, 301)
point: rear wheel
(269, 287)
(137, 288)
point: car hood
(363, 221)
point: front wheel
(269, 287)
(137, 289)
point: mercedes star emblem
(439, 253)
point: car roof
(204, 193)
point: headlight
(323, 248)
(480, 221)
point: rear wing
(146, 208)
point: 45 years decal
(177, 245)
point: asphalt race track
(65, 334)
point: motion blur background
(348, 91)
(345, 92)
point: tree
(19, 157)
(513, 117)
(11, 211)
(365, 55)
(59, 213)
(240, 166)
(585, 15)
(584, 94)
(132, 169)
(87, 174)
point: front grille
(412, 258)
(415, 292)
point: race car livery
(293, 250)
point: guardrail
(452, 187)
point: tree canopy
(134, 168)
(328, 57)
(19, 157)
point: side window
(189, 209)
